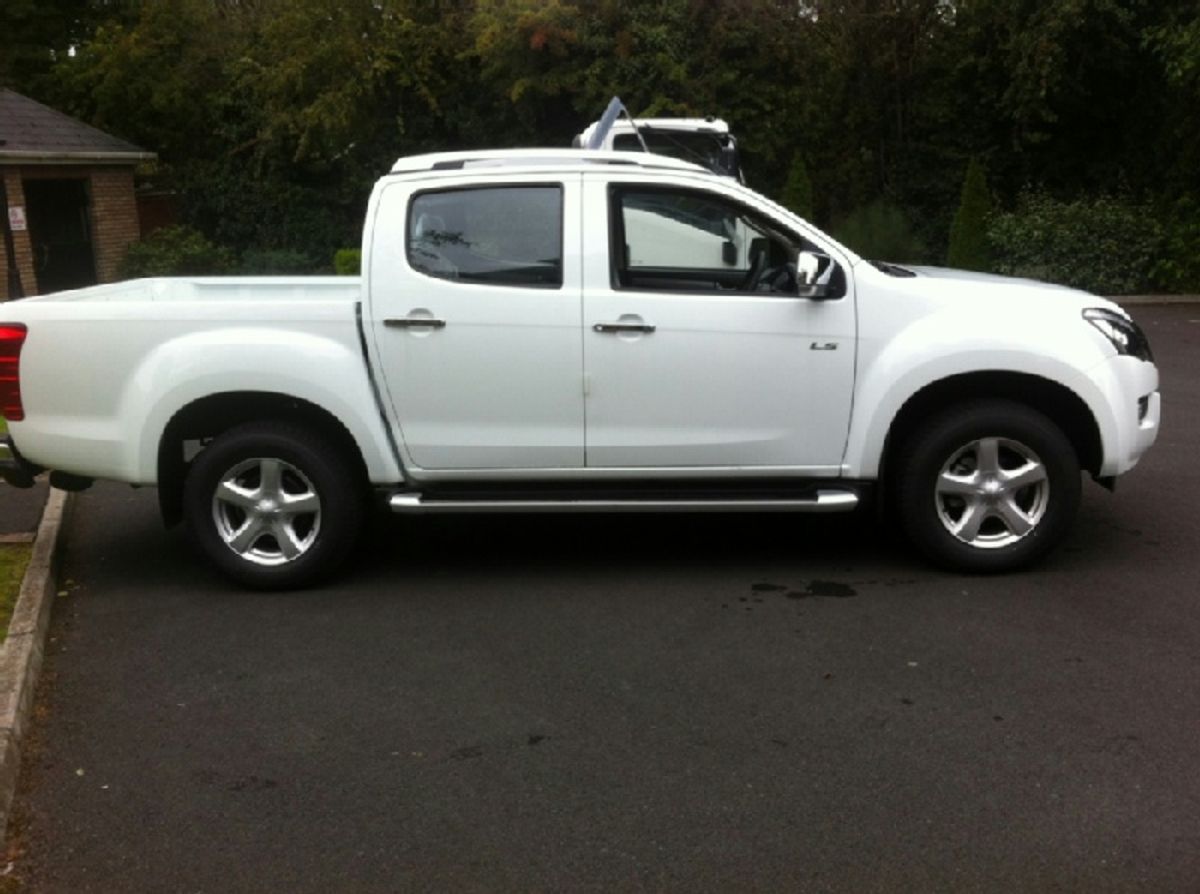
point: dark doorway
(60, 229)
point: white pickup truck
(563, 330)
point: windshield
(699, 148)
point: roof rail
(495, 158)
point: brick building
(71, 211)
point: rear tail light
(12, 337)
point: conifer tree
(797, 191)
(968, 233)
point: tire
(987, 486)
(274, 505)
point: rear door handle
(415, 323)
(624, 327)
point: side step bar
(824, 500)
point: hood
(965, 288)
(995, 279)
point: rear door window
(496, 235)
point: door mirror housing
(815, 276)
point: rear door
(697, 349)
(475, 306)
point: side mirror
(813, 274)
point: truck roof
(509, 158)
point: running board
(824, 500)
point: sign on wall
(16, 218)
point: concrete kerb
(22, 652)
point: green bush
(968, 233)
(1178, 270)
(1106, 245)
(175, 251)
(274, 261)
(347, 262)
(881, 232)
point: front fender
(890, 378)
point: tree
(880, 231)
(797, 191)
(1175, 41)
(968, 233)
(271, 118)
(36, 34)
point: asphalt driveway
(682, 703)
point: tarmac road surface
(613, 703)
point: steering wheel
(781, 278)
(757, 267)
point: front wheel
(273, 505)
(987, 486)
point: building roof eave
(24, 157)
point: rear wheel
(987, 486)
(273, 505)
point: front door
(476, 315)
(697, 349)
(61, 232)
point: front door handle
(624, 327)
(415, 323)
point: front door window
(690, 241)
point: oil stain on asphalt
(814, 588)
(830, 588)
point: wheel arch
(1056, 401)
(210, 416)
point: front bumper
(1131, 388)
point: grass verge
(13, 559)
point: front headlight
(1126, 336)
